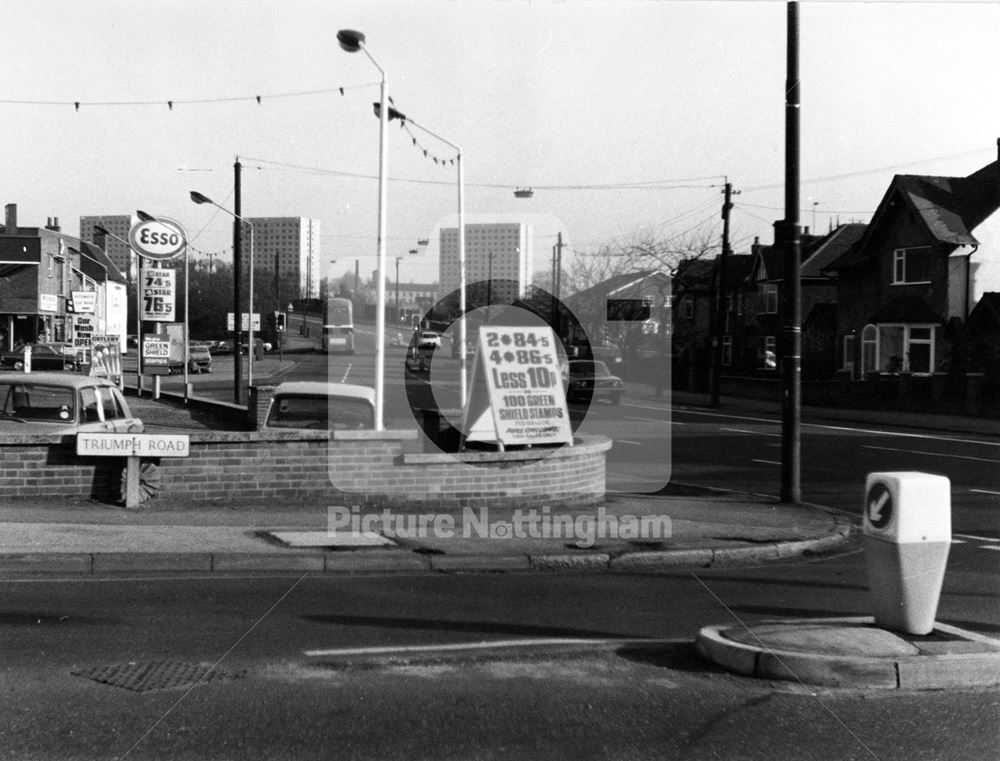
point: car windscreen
(321, 412)
(30, 401)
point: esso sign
(158, 239)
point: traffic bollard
(906, 537)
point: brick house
(911, 281)
(762, 312)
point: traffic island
(854, 652)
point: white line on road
(767, 462)
(931, 454)
(627, 441)
(752, 433)
(932, 436)
(978, 538)
(985, 491)
(464, 646)
(644, 419)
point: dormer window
(911, 265)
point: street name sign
(133, 445)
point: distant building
(56, 287)
(500, 252)
(295, 241)
(116, 224)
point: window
(687, 308)
(727, 351)
(769, 298)
(911, 265)
(767, 358)
(869, 349)
(903, 349)
(919, 356)
(847, 360)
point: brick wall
(296, 468)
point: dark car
(591, 378)
(44, 356)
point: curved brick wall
(351, 467)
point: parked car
(44, 356)
(591, 378)
(428, 339)
(51, 402)
(199, 358)
(318, 405)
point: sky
(625, 118)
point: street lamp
(398, 259)
(352, 41)
(101, 230)
(146, 217)
(199, 198)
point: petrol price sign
(158, 294)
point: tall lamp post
(199, 198)
(101, 230)
(352, 41)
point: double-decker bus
(338, 326)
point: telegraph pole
(237, 278)
(791, 365)
(720, 299)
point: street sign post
(133, 447)
(906, 537)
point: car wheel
(70, 366)
(19, 365)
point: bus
(338, 326)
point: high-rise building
(498, 252)
(118, 225)
(295, 241)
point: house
(630, 311)
(931, 249)
(763, 312)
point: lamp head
(350, 40)
(100, 230)
(199, 198)
(145, 216)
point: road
(298, 680)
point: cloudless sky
(578, 100)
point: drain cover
(148, 676)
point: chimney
(52, 223)
(10, 216)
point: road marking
(875, 508)
(985, 491)
(645, 419)
(767, 462)
(752, 433)
(979, 538)
(900, 434)
(931, 454)
(627, 441)
(472, 646)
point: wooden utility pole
(720, 299)
(791, 362)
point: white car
(317, 405)
(428, 339)
(55, 402)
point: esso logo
(158, 239)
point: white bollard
(907, 536)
